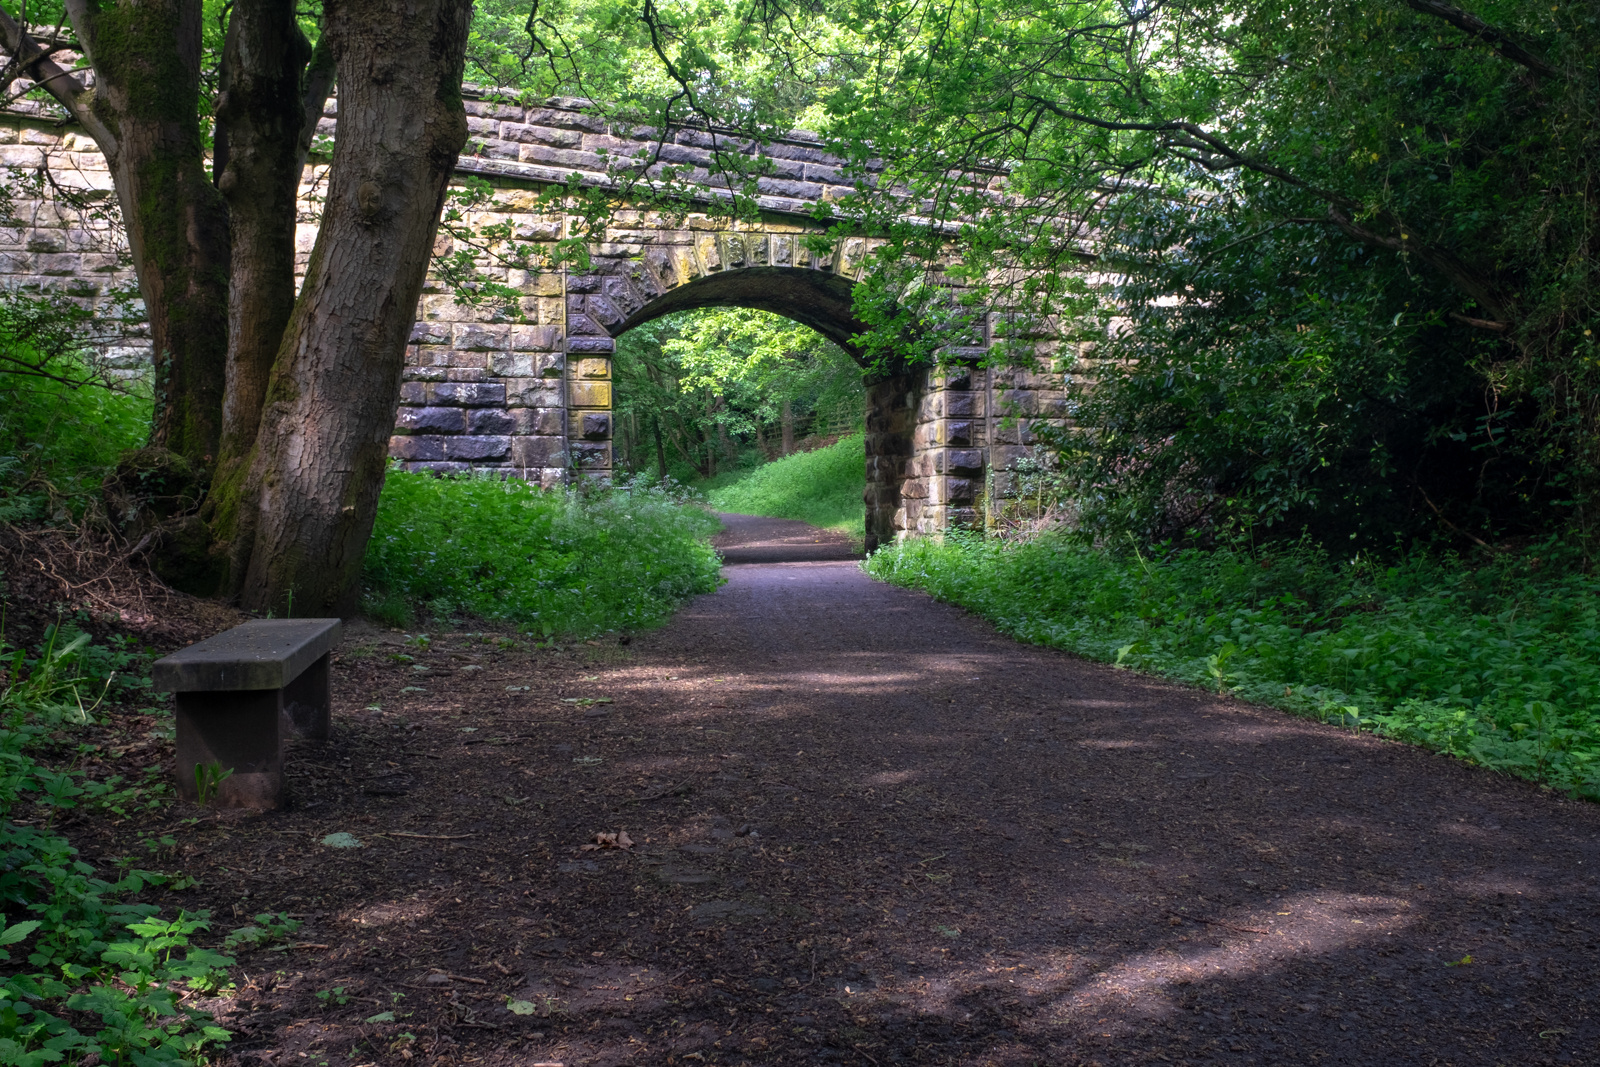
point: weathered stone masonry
(533, 398)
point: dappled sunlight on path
(872, 831)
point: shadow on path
(755, 539)
(872, 831)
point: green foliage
(64, 417)
(823, 488)
(1498, 664)
(1347, 246)
(696, 389)
(1295, 386)
(554, 561)
(90, 970)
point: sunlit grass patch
(823, 488)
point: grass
(57, 443)
(555, 562)
(822, 488)
(1497, 663)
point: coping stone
(259, 654)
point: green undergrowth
(57, 443)
(1497, 663)
(555, 562)
(88, 972)
(822, 488)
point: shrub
(554, 561)
(823, 488)
(101, 975)
(1498, 664)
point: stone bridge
(534, 397)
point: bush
(823, 488)
(570, 562)
(58, 442)
(102, 975)
(1498, 664)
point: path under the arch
(869, 830)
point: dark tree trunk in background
(311, 495)
(146, 58)
(788, 428)
(661, 448)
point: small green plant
(268, 929)
(208, 778)
(330, 997)
(1217, 665)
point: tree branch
(318, 82)
(1502, 42)
(49, 75)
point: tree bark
(258, 162)
(661, 449)
(322, 447)
(788, 427)
(146, 57)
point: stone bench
(239, 694)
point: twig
(1218, 922)
(426, 837)
(1476, 540)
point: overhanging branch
(1501, 41)
(49, 75)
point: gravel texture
(865, 829)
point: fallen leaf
(521, 1007)
(342, 840)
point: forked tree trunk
(260, 114)
(146, 57)
(320, 454)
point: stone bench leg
(243, 730)
(308, 702)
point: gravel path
(869, 830)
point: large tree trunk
(146, 57)
(320, 454)
(258, 161)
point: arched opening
(821, 301)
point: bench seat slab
(259, 654)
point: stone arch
(923, 457)
(823, 301)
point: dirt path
(870, 831)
